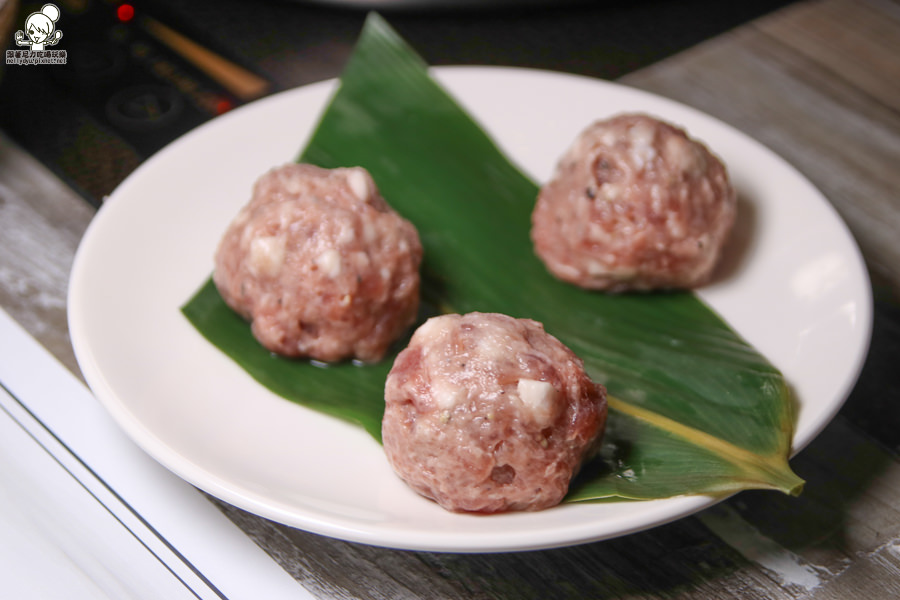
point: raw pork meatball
(634, 205)
(487, 413)
(321, 265)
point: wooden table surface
(819, 83)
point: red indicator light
(125, 12)
(223, 106)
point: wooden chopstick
(244, 84)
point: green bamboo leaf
(342, 390)
(695, 409)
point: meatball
(321, 265)
(634, 204)
(488, 413)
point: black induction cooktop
(139, 74)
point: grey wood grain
(819, 83)
(42, 221)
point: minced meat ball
(321, 265)
(634, 204)
(488, 413)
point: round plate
(797, 290)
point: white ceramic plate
(797, 290)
